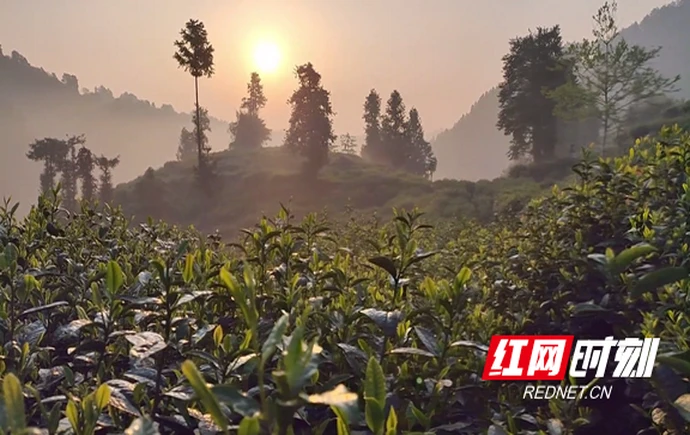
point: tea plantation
(311, 328)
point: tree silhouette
(311, 126)
(533, 67)
(255, 100)
(420, 159)
(195, 55)
(249, 130)
(86, 163)
(394, 132)
(69, 171)
(373, 146)
(610, 76)
(51, 152)
(106, 165)
(348, 144)
(187, 147)
(150, 195)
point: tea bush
(308, 328)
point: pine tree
(255, 99)
(394, 133)
(420, 159)
(373, 146)
(311, 126)
(249, 131)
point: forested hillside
(35, 104)
(474, 148)
(250, 184)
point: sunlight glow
(267, 57)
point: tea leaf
(392, 422)
(375, 382)
(113, 277)
(102, 396)
(249, 426)
(14, 403)
(204, 394)
(274, 338)
(386, 264)
(658, 278)
(621, 261)
(237, 401)
(188, 274)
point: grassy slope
(255, 183)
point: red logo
(528, 357)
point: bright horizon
(440, 55)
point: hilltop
(35, 104)
(253, 184)
(458, 150)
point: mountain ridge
(35, 103)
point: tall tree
(195, 55)
(188, 145)
(86, 163)
(106, 165)
(311, 125)
(420, 159)
(69, 170)
(533, 67)
(255, 99)
(610, 76)
(249, 130)
(394, 132)
(187, 148)
(51, 152)
(373, 146)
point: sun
(267, 57)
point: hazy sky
(440, 54)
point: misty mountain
(35, 104)
(474, 148)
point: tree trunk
(198, 120)
(606, 134)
